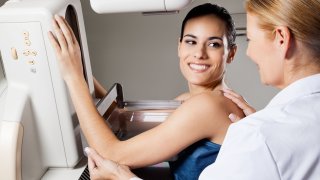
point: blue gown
(194, 159)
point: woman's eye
(216, 45)
(191, 42)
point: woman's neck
(197, 89)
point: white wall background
(140, 52)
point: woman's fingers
(67, 49)
(91, 165)
(59, 35)
(101, 168)
(73, 36)
(96, 158)
(67, 34)
(54, 42)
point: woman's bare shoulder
(216, 102)
(213, 101)
(183, 97)
(207, 107)
(208, 115)
(210, 105)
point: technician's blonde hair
(302, 17)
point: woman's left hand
(67, 49)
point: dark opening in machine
(72, 19)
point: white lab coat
(282, 141)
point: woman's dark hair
(212, 9)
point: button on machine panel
(14, 53)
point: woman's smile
(197, 67)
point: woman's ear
(232, 53)
(179, 46)
(283, 40)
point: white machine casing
(39, 129)
(120, 6)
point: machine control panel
(28, 52)
(24, 44)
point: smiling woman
(207, 44)
(202, 51)
(196, 129)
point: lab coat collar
(304, 86)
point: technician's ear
(232, 53)
(283, 40)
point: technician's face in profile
(262, 50)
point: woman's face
(262, 49)
(203, 51)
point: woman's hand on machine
(67, 49)
(240, 102)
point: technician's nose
(200, 53)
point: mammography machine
(37, 118)
(39, 132)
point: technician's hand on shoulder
(67, 49)
(240, 102)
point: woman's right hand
(240, 102)
(66, 49)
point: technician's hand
(67, 49)
(103, 169)
(240, 102)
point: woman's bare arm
(192, 121)
(99, 90)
